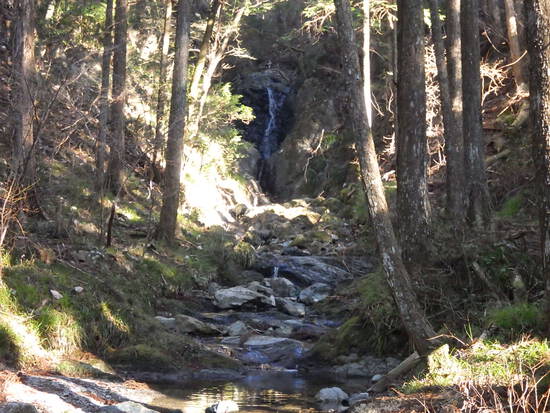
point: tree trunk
(205, 45)
(24, 75)
(164, 43)
(176, 128)
(453, 140)
(119, 99)
(366, 61)
(538, 24)
(104, 95)
(415, 322)
(412, 148)
(516, 54)
(477, 193)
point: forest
(269, 205)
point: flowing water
(270, 139)
(262, 392)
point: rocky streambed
(268, 323)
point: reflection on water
(283, 392)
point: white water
(269, 141)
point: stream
(260, 392)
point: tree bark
(412, 148)
(174, 147)
(118, 120)
(205, 45)
(366, 60)
(104, 95)
(538, 26)
(477, 192)
(415, 322)
(164, 43)
(453, 140)
(23, 163)
(516, 54)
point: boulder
(331, 394)
(16, 407)
(237, 296)
(282, 287)
(187, 324)
(224, 406)
(279, 351)
(291, 307)
(315, 293)
(168, 322)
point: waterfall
(270, 139)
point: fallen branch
(405, 366)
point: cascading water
(271, 138)
(272, 133)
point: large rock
(237, 296)
(291, 307)
(16, 407)
(307, 270)
(282, 287)
(187, 324)
(283, 352)
(315, 293)
(331, 394)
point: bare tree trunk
(453, 139)
(415, 322)
(24, 75)
(477, 191)
(516, 54)
(412, 148)
(538, 24)
(205, 45)
(163, 52)
(366, 61)
(119, 99)
(104, 95)
(174, 147)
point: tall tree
(455, 154)
(104, 95)
(418, 327)
(518, 59)
(118, 120)
(366, 60)
(412, 148)
(24, 74)
(164, 43)
(477, 192)
(174, 147)
(538, 26)
(453, 137)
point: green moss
(9, 350)
(517, 318)
(75, 368)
